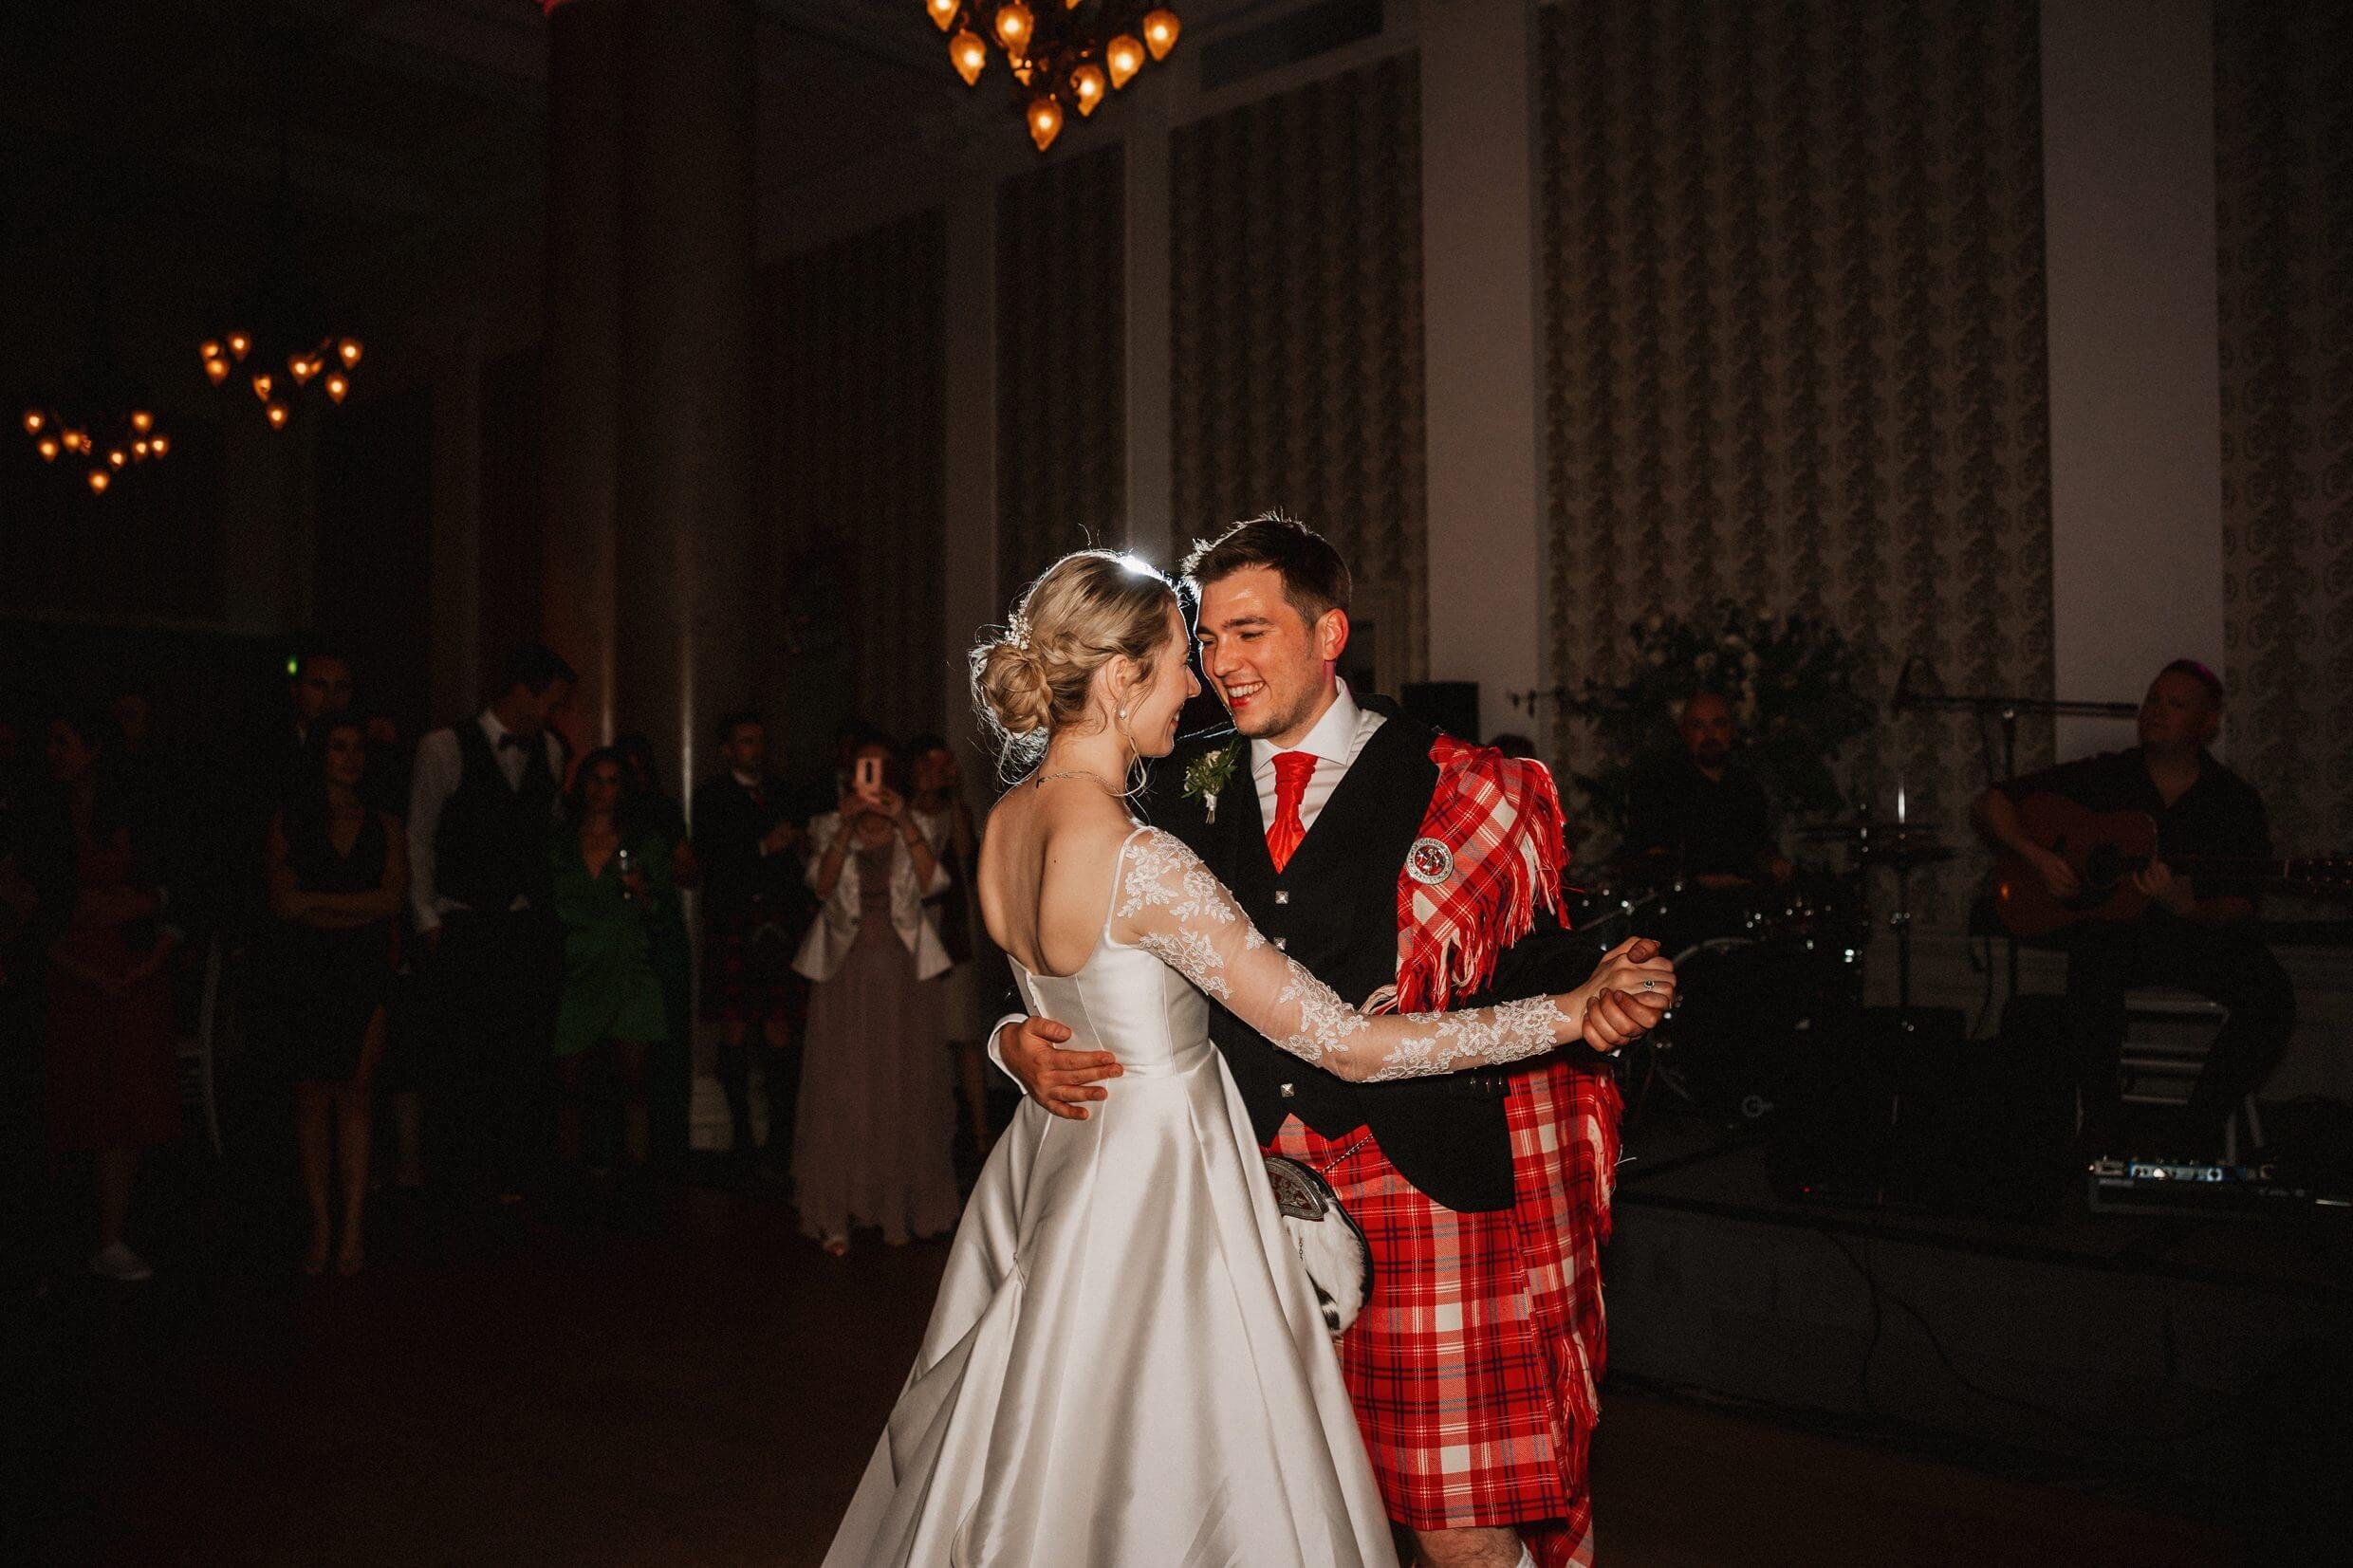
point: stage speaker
(1900, 1109)
(1449, 705)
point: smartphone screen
(869, 774)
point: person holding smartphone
(874, 1118)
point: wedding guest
(36, 892)
(966, 1006)
(113, 1087)
(616, 899)
(756, 909)
(483, 800)
(338, 875)
(875, 1117)
(670, 1067)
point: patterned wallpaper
(1794, 342)
(2284, 157)
(851, 449)
(1062, 362)
(1296, 325)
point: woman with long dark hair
(113, 1085)
(618, 901)
(338, 870)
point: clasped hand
(1624, 998)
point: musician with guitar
(2144, 865)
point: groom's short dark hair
(1314, 578)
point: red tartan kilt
(1473, 1366)
(750, 981)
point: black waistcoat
(1334, 909)
(490, 845)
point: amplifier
(2192, 1186)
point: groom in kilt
(1406, 869)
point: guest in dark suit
(756, 908)
(483, 800)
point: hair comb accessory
(1017, 632)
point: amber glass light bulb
(1089, 86)
(337, 384)
(118, 457)
(275, 414)
(261, 384)
(1044, 122)
(1013, 25)
(943, 12)
(968, 54)
(238, 344)
(216, 371)
(1125, 57)
(350, 349)
(33, 421)
(100, 479)
(1160, 30)
(47, 449)
(138, 452)
(160, 445)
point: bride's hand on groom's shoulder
(1062, 1082)
(1630, 990)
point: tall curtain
(850, 383)
(1296, 325)
(1794, 343)
(2284, 155)
(1062, 362)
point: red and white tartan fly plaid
(1499, 819)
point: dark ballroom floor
(702, 1386)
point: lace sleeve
(1165, 901)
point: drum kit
(1762, 968)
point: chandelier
(278, 339)
(99, 420)
(1064, 54)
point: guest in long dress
(936, 786)
(875, 1117)
(618, 903)
(113, 1085)
(338, 875)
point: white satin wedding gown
(1126, 1367)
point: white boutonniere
(1210, 773)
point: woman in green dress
(618, 900)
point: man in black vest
(481, 809)
(1484, 1195)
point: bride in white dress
(1126, 1367)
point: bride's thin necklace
(1043, 778)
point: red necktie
(1291, 772)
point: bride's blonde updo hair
(1082, 612)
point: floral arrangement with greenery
(1792, 682)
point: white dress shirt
(1335, 742)
(439, 767)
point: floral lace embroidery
(1181, 915)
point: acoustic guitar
(2105, 849)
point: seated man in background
(2198, 932)
(1704, 813)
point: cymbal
(1868, 827)
(1905, 853)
